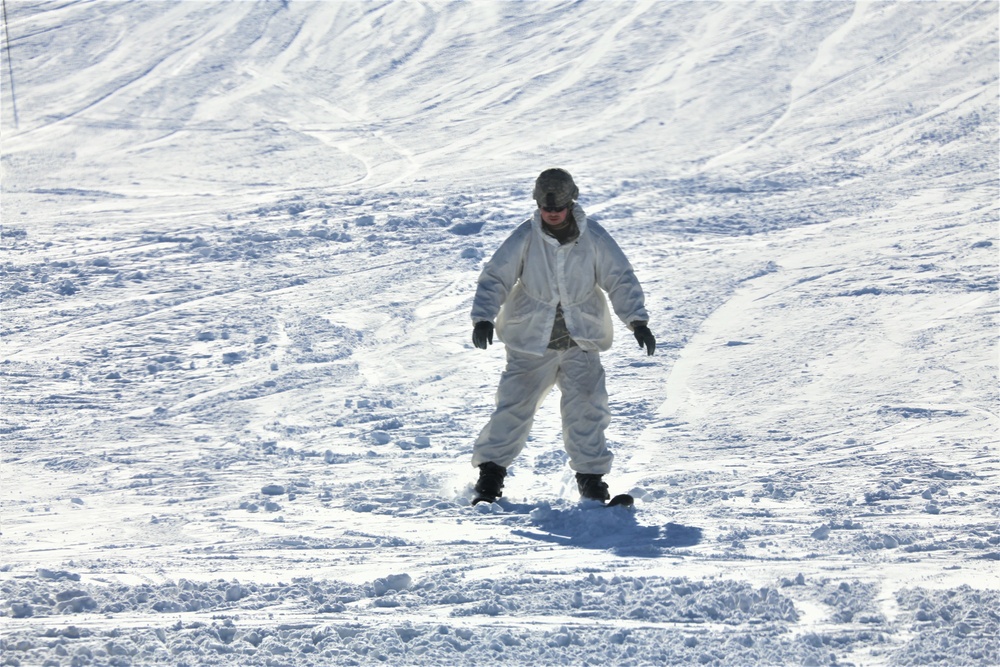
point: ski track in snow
(240, 243)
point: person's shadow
(609, 528)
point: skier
(543, 288)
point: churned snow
(240, 243)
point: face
(554, 218)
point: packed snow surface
(240, 244)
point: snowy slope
(240, 243)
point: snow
(240, 244)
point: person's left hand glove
(644, 336)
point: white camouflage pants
(525, 383)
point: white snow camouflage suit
(520, 288)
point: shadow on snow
(593, 526)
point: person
(544, 288)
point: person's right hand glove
(482, 334)
(645, 337)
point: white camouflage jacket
(531, 273)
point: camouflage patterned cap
(555, 187)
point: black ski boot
(592, 487)
(490, 484)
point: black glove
(482, 334)
(644, 336)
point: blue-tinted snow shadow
(608, 528)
